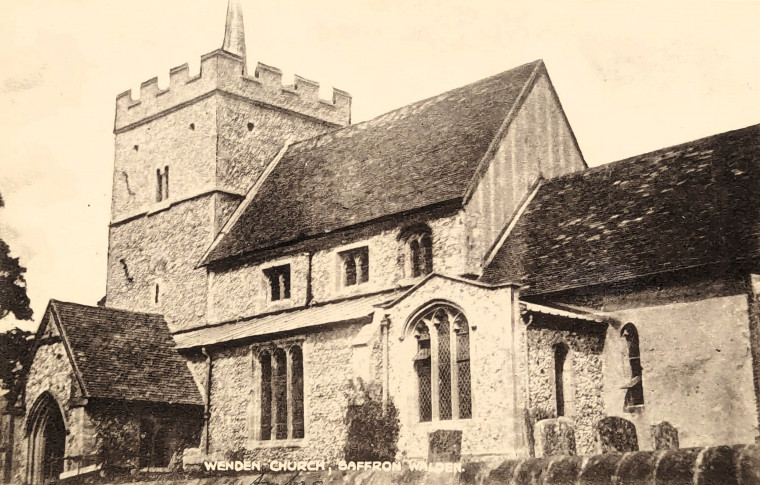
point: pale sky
(632, 76)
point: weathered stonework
(328, 371)
(583, 367)
(162, 249)
(241, 291)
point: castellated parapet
(224, 73)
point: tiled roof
(355, 309)
(125, 355)
(686, 206)
(413, 157)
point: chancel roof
(677, 208)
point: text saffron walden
(319, 465)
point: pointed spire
(234, 35)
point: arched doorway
(47, 440)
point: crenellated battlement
(224, 73)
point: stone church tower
(185, 157)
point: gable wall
(538, 143)
(51, 371)
(497, 372)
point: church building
(272, 265)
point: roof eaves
(494, 145)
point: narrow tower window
(162, 184)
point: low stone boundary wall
(721, 465)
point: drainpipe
(384, 327)
(309, 295)
(207, 401)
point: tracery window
(634, 395)
(281, 394)
(442, 364)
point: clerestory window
(442, 364)
(355, 266)
(418, 250)
(278, 278)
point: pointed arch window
(418, 250)
(634, 395)
(281, 393)
(442, 364)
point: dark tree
(15, 346)
(13, 298)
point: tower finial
(234, 34)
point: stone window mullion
(254, 432)
(434, 384)
(454, 369)
(289, 391)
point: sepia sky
(633, 76)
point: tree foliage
(15, 346)
(13, 298)
(16, 343)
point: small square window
(355, 266)
(279, 282)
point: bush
(372, 433)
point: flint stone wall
(327, 382)
(583, 366)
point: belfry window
(442, 364)
(162, 184)
(278, 278)
(281, 394)
(634, 395)
(355, 266)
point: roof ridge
(615, 163)
(416, 103)
(110, 309)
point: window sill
(456, 424)
(283, 304)
(265, 444)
